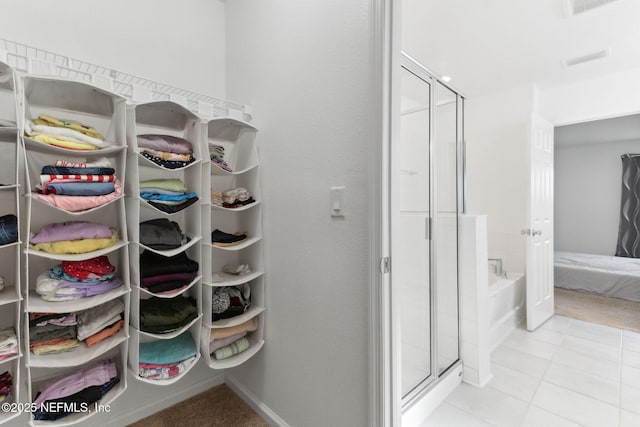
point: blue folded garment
(81, 188)
(173, 350)
(151, 196)
(154, 190)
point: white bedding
(610, 276)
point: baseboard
(160, 404)
(480, 384)
(256, 404)
(425, 403)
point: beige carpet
(218, 407)
(614, 312)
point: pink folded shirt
(79, 203)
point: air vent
(588, 57)
(576, 7)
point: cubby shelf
(11, 262)
(236, 139)
(173, 120)
(104, 111)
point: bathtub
(506, 305)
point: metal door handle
(536, 232)
(526, 232)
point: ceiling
(488, 45)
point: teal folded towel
(232, 349)
(173, 350)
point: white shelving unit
(10, 257)
(163, 118)
(105, 112)
(237, 137)
(35, 82)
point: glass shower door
(445, 147)
(411, 244)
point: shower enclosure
(425, 202)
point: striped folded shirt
(89, 178)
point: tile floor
(566, 373)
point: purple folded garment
(161, 278)
(90, 289)
(71, 230)
(166, 143)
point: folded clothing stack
(166, 315)
(6, 383)
(165, 359)
(8, 229)
(232, 199)
(170, 152)
(222, 239)
(86, 386)
(64, 133)
(8, 343)
(52, 333)
(99, 323)
(162, 234)
(77, 279)
(166, 275)
(73, 237)
(230, 301)
(216, 154)
(77, 187)
(169, 195)
(227, 342)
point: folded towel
(232, 349)
(248, 326)
(168, 351)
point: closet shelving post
(10, 296)
(240, 153)
(104, 111)
(163, 118)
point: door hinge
(385, 265)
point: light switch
(337, 201)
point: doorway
(595, 279)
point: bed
(610, 276)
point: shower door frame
(412, 66)
(398, 401)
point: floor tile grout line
(530, 404)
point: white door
(540, 224)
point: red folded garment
(93, 268)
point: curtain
(629, 229)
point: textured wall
(304, 67)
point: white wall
(609, 96)
(177, 43)
(304, 66)
(587, 196)
(496, 135)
